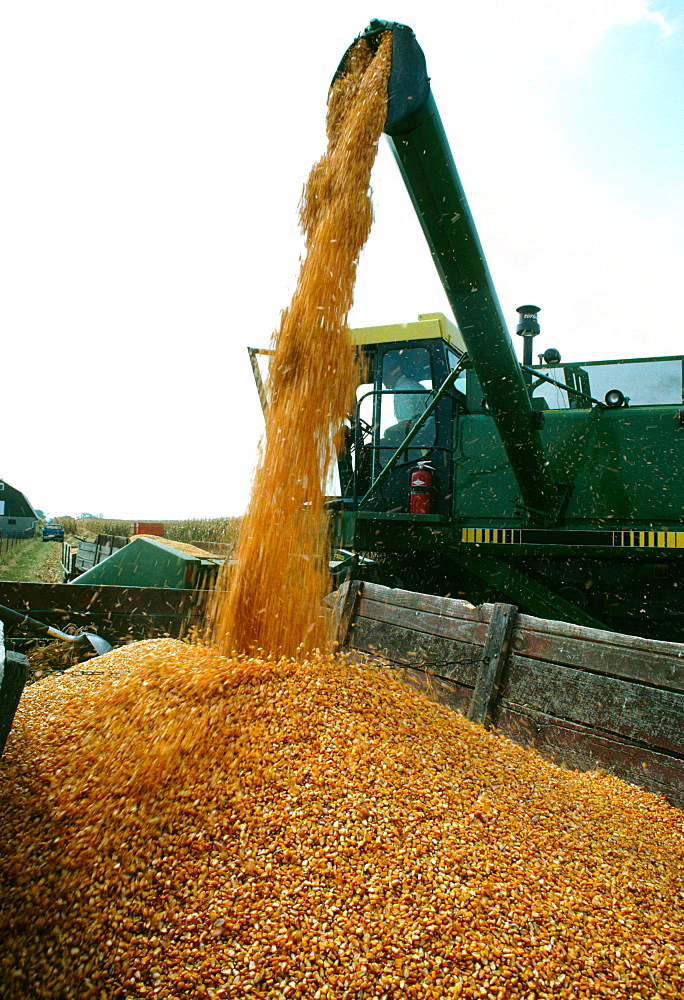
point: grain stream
(275, 589)
(177, 824)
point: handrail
(427, 412)
(562, 385)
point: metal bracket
(494, 653)
(253, 351)
(347, 598)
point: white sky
(154, 154)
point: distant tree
(40, 514)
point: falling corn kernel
(274, 591)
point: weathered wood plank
(118, 613)
(583, 749)
(112, 541)
(635, 711)
(547, 625)
(492, 663)
(630, 657)
(35, 597)
(456, 696)
(346, 606)
(648, 664)
(444, 657)
(448, 606)
(116, 629)
(424, 622)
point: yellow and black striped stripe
(501, 536)
(650, 539)
(540, 536)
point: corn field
(218, 529)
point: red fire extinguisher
(421, 488)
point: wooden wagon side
(582, 697)
(120, 614)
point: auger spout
(422, 151)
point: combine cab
(557, 487)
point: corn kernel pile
(276, 588)
(177, 824)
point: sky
(154, 156)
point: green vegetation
(219, 529)
(96, 525)
(31, 560)
(70, 524)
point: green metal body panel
(624, 468)
(145, 562)
(635, 590)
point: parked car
(53, 532)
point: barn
(18, 519)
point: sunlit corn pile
(190, 550)
(281, 575)
(177, 824)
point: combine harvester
(550, 495)
(557, 487)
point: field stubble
(32, 561)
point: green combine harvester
(557, 486)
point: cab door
(400, 380)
